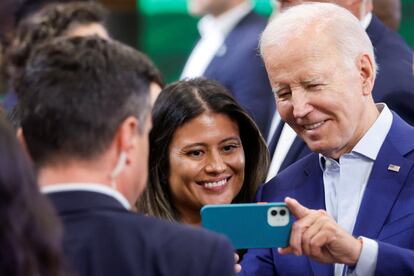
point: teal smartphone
(251, 225)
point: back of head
(313, 21)
(30, 237)
(53, 20)
(76, 92)
(26, 8)
(178, 104)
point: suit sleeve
(221, 259)
(394, 260)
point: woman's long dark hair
(30, 235)
(179, 103)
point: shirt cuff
(367, 260)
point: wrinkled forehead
(301, 60)
(307, 42)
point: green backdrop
(167, 33)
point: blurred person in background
(30, 234)
(86, 115)
(75, 18)
(227, 52)
(389, 12)
(394, 84)
(204, 149)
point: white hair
(312, 20)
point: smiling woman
(204, 149)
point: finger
(236, 258)
(296, 208)
(285, 250)
(237, 268)
(299, 228)
(314, 229)
(318, 249)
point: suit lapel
(382, 190)
(225, 50)
(311, 195)
(310, 192)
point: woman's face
(206, 162)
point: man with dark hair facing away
(86, 115)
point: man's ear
(127, 134)
(367, 74)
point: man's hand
(317, 235)
(237, 266)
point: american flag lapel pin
(393, 168)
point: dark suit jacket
(394, 84)
(386, 212)
(239, 67)
(102, 238)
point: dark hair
(26, 8)
(30, 234)
(48, 23)
(179, 103)
(75, 93)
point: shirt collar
(224, 23)
(370, 144)
(366, 20)
(87, 187)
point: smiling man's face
(318, 94)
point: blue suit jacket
(239, 67)
(386, 212)
(102, 238)
(394, 84)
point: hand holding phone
(250, 225)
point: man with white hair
(394, 83)
(352, 198)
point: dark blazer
(102, 238)
(394, 84)
(386, 212)
(239, 67)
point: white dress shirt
(213, 31)
(345, 182)
(87, 187)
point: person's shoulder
(179, 234)
(388, 44)
(161, 232)
(188, 250)
(252, 23)
(162, 241)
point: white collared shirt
(345, 182)
(87, 187)
(213, 31)
(366, 20)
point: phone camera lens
(282, 212)
(273, 213)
